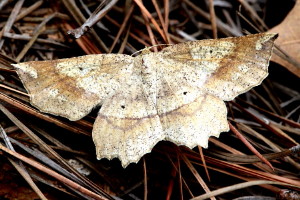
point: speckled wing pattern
(176, 95)
(73, 87)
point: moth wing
(175, 95)
(72, 87)
(127, 125)
(192, 79)
(225, 67)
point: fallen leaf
(289, 40)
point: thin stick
(52, 173)
(213, 18)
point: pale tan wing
(129, 138)
(225, 67)
(148, 108)
(127, 126)
(187, 114)
(72, 87)
(151, 107)
(168, 96)
(192, 80)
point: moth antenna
(146, 49)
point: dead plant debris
(38, 150)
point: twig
(52, 173)
(213, 18)
(237, 187)
(240, 136)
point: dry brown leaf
(289, 40)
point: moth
(176, 94)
